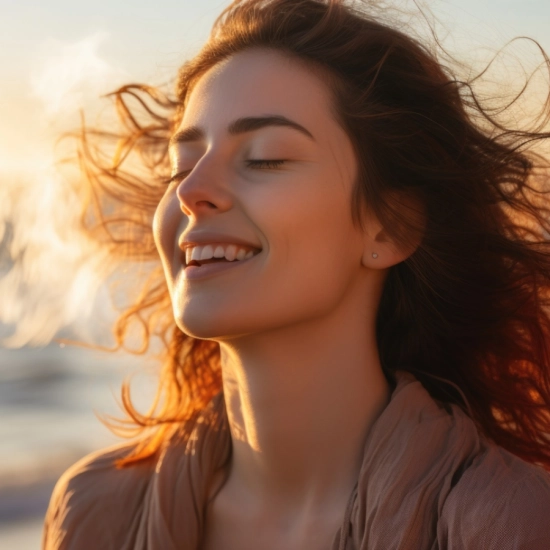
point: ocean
(47, 400)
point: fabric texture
(428, 481)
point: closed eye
(260, 163)
(252, 163)
(179, 176)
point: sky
(60, 56)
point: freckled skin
(296, 325)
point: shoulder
(500, 502)
(93, 501)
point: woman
(354, 256)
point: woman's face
(293, 210)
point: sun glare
(50, 273)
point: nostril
(208, 204)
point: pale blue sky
(146, 34)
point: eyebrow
(240, 126)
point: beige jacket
(429, 481)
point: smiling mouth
(199, 263)
(210, 261)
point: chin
(204, 327)
(209, 326)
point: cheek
(165, 226)
(312, 242)
(308, 223)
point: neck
(300, 402)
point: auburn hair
(468, 313)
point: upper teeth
(208, 251)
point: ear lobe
(382, 253)
(383, 250)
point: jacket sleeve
(498, 505)
(94, 504)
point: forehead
(258, 82)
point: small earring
(374, 255)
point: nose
(205, 188)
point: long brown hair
(471, 306)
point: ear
(381, 251)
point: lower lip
(202, 271)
